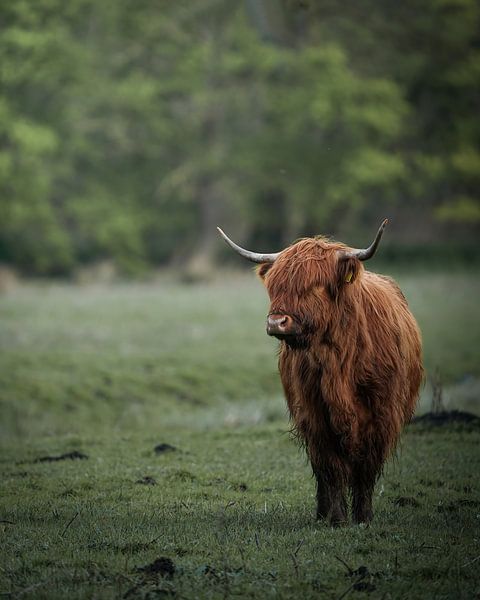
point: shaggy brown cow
(350, 363)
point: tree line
(129, 130)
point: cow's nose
(280, 325)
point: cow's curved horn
(370, 251)
(255, 257)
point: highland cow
(350, 363)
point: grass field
(112, 372)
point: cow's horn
(255, 257)
(370, 251)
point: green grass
(127, 356)
(233, 509)
(114, 371)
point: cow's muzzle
(282, 326)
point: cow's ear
(263, 269)
(347, 271)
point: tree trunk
(200, 265)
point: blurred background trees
(129, 130)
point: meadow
(146, 452)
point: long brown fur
(352, 379)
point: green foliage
(129, 131)
(460, 209)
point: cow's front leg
(323, 498)
(362, 493)
(331, 499)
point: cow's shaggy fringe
(351, 378)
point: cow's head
(305, 283)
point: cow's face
(305, 285)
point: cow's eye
(263, 269)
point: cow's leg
(338, 504)
(363, 484)
(331, 498)
(323, 498)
